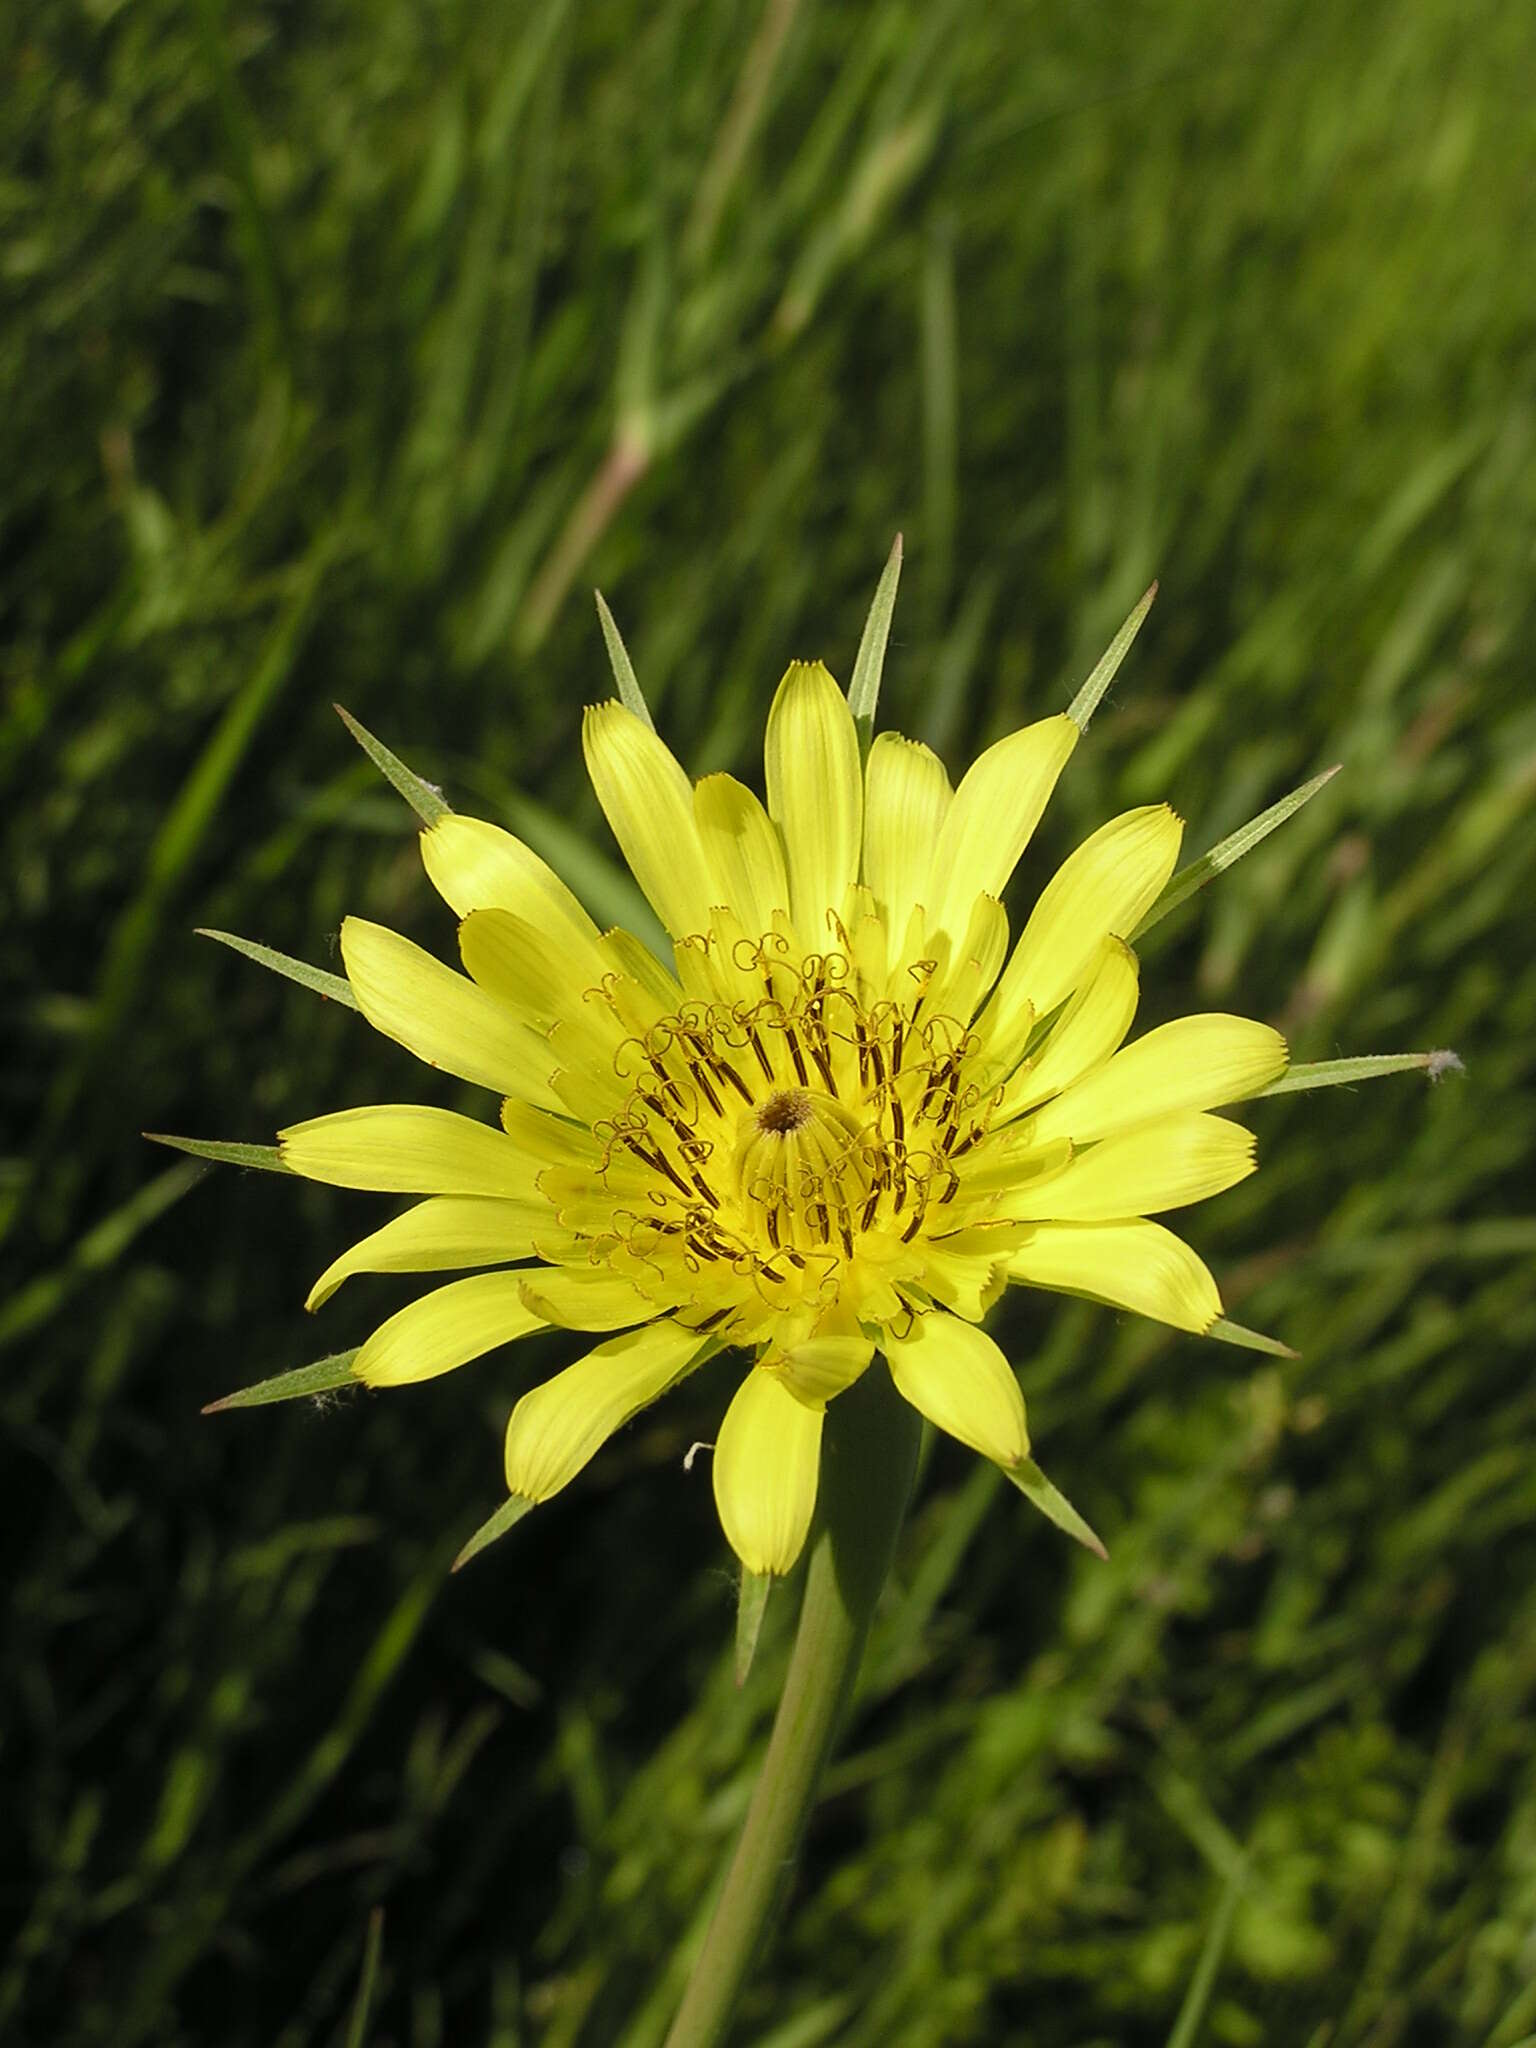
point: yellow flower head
(842, 1120)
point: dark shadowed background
(344, 348)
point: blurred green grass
(345, 350)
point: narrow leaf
(424, 800)
(319, 1378)
(751, 1605)
(1053, 1504)
(630, 693)
(1186, 2028)
(362, 2004)
(334, 987)
(267, 1158)
(869, 666)
(1086, 702)
(507, 1516)
(1227, 1332)
(1340, 1073)
(357, 2028)
(1185, 883)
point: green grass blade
(507, 1516)
(180, 837)
(428, 803)
(334, 987)
(373, 1946)
(630, 693)
(1086, 702)
(869, 665)
(100, 1248)
(1186, 2027)
(1053, 1504)
(224, 1152)
(751, 1606)
(1231, 850)
(320, 1378)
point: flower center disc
(785, 1110)
(803, 1169)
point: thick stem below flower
(869, 1454)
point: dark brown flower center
(787, 1109)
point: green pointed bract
(225, 1152)
(1053, 1504)
(323, 1377)
(869, 666)
(751, 1605)
(424, 800)
(507, 1516)
(1370, 1067)
(334, 987)
(1225, 1331)
(625, 680)
(1231, 850)
(1086, 702)
(367, 1983)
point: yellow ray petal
(1160, 1165)
(557, 1427)
(534, 979)
(742, 853)
(549, 1139)
(587, 1298)
(965, 1281)
(815, 794)
(1192, 1063)
(439, 1235)
(445, 1329)
(633, 958)
(1135, 1265)
(441, 1016)
(405, 1148)
(1099, 890)
(817, 1369)
(955, 1375)
(996, 808)
(970, 959)
(767, 1462)
(476, 866)
(1089, 1029)
(907, 799)
(1004, 1163)
(648, 801)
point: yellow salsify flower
(843, 1122)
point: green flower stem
(869, 1454)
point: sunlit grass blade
(1086, 702)
(1186, 2028)
(627, 682)
(1231, 850)
(1369, 1067)
(323, 1377)
(507, 1516)
(1053, 1504)
(1224, 1331)
(428, 803)
(362, 2004)
(751, 1605)
(101, 1247)
(334, 987)
(869, 664)
(224, 1152)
